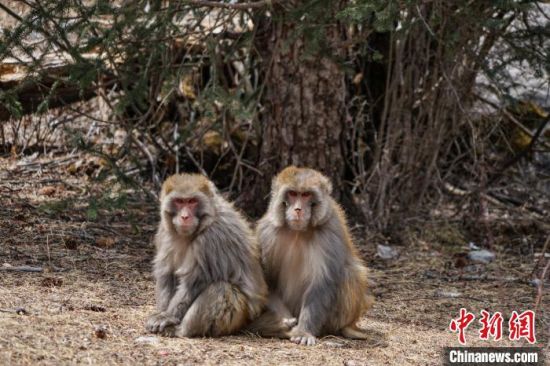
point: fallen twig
(31, 269)
(18, 311)
(542, 255)
(540, 285)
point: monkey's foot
(289, 322)
(160, 323)
(301, 337)
(354, 332)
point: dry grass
(106, 282)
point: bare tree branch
(236, 6)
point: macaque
(209, 280)
(317, 282)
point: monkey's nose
(298, 210)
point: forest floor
(89, 302)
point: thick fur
(315, 273)
(209, 283)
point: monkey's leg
(275, 321)
(220, 309)
(271, 324)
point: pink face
(185, 219)
(298, 211)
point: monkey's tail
(270, 324)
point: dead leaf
(96, 308)
(70, 244)
(213, 141)
(105, 242)
(100, 331)
(72, 169)
(186, 87)
(51, 282)
(47, 190)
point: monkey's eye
(292, 193)
(306, 194)
(178, 201)
(193, 201)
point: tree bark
(304, 102)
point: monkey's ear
(167, 187)
(211, 189)
(326, 185)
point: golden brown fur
(314, 271)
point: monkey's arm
(187, 291)
(185, 294)
(165, 288)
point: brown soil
(91, 300)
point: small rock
(447, 294)
(352, 363)
(481, 256)
(147, 340)
(21, 311)
(386, 252)
(535, 282)
(472, 246)
(334, 344)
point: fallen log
(30, 89)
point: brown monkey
(209, 281)
(311, 265)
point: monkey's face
(298, 209)
(185, 214)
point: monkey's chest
(300, 266)
(181, 260)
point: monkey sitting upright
(311, 265)
(209, 281)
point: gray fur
(219, 258)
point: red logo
(461, 324)
(519, 326)
(522, 326)
(491, 325)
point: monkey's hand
(300, 336)
(289, 322)
(160, 323)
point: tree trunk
(304, 102)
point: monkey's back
(234, 256)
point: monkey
(209, 280)
(316, 279)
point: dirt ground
(95, 289)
